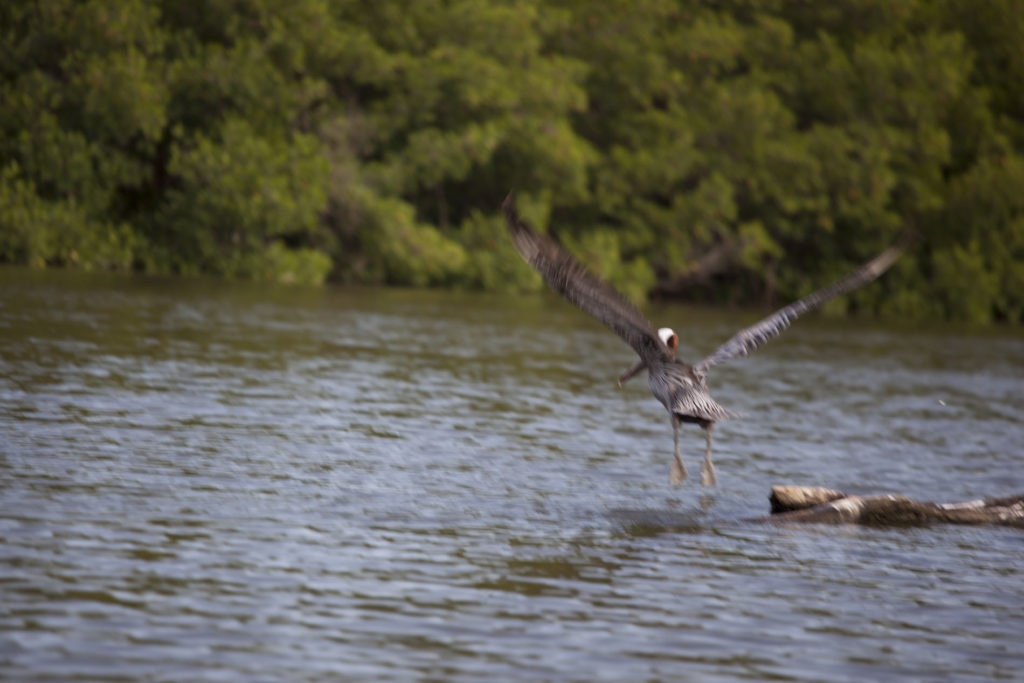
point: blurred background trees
(734, 151)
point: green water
(211, 481)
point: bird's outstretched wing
(567, 276)
(747, 340)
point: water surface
(212, 481)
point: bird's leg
(678, 472)
(637, 367)
(707, 469)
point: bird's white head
(670, 338)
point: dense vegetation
(732, 150)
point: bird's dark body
(684, 393)
(680, 387)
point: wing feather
(747, 340)
(567, 276)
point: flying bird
(680, 387)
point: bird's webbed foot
(707, 473)
(678, 471)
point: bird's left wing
(747, 340)
(567, 276)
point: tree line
(730, 151)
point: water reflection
(209, 480)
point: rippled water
(209, 481)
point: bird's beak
(640, 365)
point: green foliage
(729, 151)
(40, 232)
(278, 263)
(600, 249)
(492, 261)
(401, 250)
(234, 196)
(979, 243)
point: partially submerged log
(789, 498)
(814, 504)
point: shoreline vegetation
(729, 153)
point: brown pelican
(681, 388)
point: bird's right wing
(747, 340)
(567, 276)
